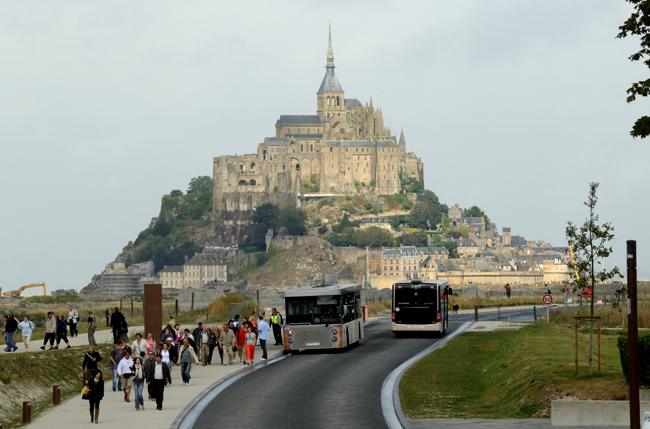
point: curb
(391, 407)
(188, 415)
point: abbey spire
(330, 97)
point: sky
(514, 106)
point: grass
(466, 302)
(611, 317)
(507, 374)
(31, 375)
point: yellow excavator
(16, 293)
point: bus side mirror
(450, 291)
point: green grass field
(507, 374)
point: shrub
(644, 358)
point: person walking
(196, 333)
(157, 379)
(166, 359)
(185, 357)
(218, 343)
(50, 330)
(96, 386)
(26, 328)
(89, 365)
(139, 376)
(11, 327)
(228, 343)
(125, 374)
(241, 343)
(116, 356)
(263, 334)
(73, 319)
(151, 343)
(251, 339)
(139, 346)
(92, 327)
(149, 364)
(62, 332)
(117, 321)
(204, 341)
(276, 324)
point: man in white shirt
(73, 319)
(26, 327)
(139, 346)
(263, 334)
(157, 379)
(125, 373)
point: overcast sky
(105, 106)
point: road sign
(547, 299)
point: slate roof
(352, 103)
(359, 143)
(330, 83)
(172, 269)
(298, 120)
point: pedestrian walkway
(115, 413)
(105, 336)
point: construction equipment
(16, 293)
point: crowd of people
(150, 361)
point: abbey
(343, 149)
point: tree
(591, 246)
(201, 184)
(638, 24)
(476, 211)
(294, 220)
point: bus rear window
(407, 295)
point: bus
(420, 306)
(323, 317)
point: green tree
(201, 184)
(591, 245)
(267, 215)
(294, 220)
(638, 24)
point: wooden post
(192, 305)
(599, 325)
(152, 308)
(108, 323)
(56, 395)
(176, 308)
(576, 335)
(27, 412)
(131, 306)
(120, 304)
(476, 312)
(633, 336)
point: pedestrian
(96, 386)
(26, 328)
(166, 333)
(116, 356)
(62, 332)
(211, 344)
(50, 330)
(185, 357)
(139, 376)
(178, 334)
(157, 379)
(165, 358)
(92, 327)
(149, 364)
(139, 346)
(203, 344)
(251, 339)
(117, 321)
(73, 319)
(171, 321)
(219, 345)
(173, 351)
(89, 365)
(263, 334)
(125, 374)
(151, 343)
(190, 338)
(241, 343)
(228, 343)
(276, 324)
(508, 290)
(11, 327)
(195, 334)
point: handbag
(85, 392)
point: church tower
(330, 96)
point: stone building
(409, 261)
(344, 148)
(199, 270)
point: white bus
(323, 317)
(420, 306)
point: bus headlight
(290, 333)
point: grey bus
(420, 306)
(323, 317)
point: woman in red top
(241, 342)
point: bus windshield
(313, 310)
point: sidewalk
(105, 336)
(115, 413)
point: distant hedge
(644, 358)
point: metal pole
(633, 337)
(475, 312)
(576, 335)
(535, 313)
(192, 305)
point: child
(250, 345)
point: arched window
(252, 165)
(241, 167)
(297, 167)
(243, 183)
(253, 182)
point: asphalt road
(316, 390)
